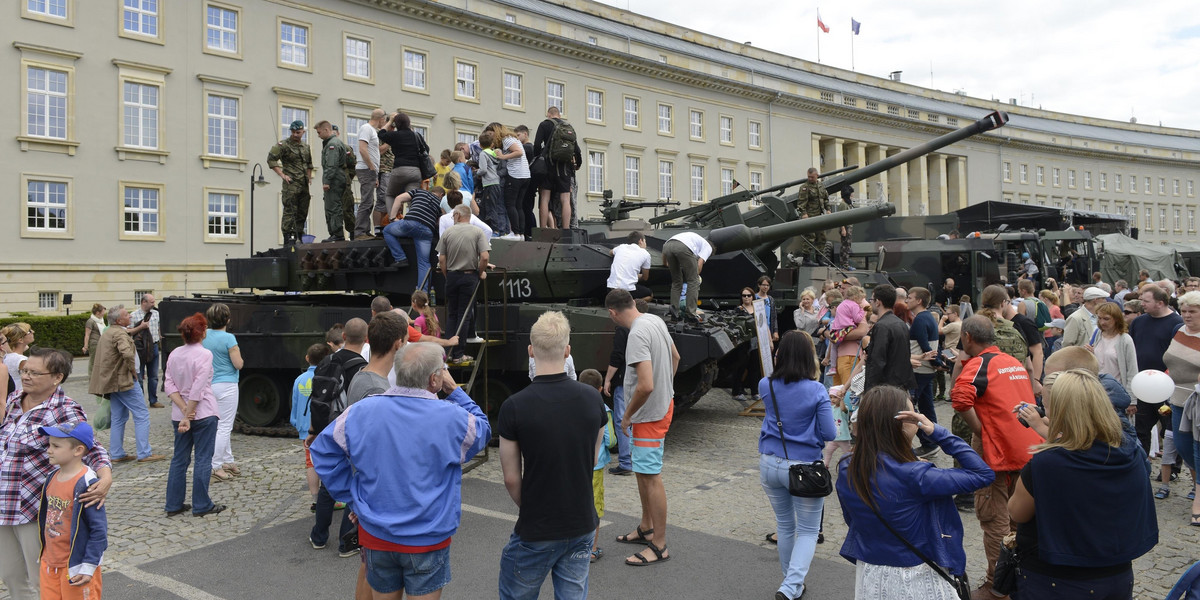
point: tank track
(706, 376)
(285, 430)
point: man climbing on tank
(812, 201)
(684, 257)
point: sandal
(1195, 522)
(231, 468)
(1192, 494)
(596, 554)
(640, 539)
(637, 560)
(1162, 493)
(221, 475)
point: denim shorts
(416, 574)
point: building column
(831, 150)
(918, 186)
(937, 184)
(876, 186)
(898, 186)
(856, 154)
(816, 152)
(956, 180)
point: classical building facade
(137, 125)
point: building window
(464, 80)
(953, 122)
(827, 96)
(1008, 171)
(350, 134)
(414, 69)
(872, 105)
(223, 215)
(141, 210)
(463, 137)
(1087, 180)
(632, 116)
(1104, 182)
(1191, 216)
(756, 181)
(592, 40)
(1191, 188)
(726, 181)
(1057, 176)
(140, 17)
(725, 127)
(666, 179)
(1024, 173)
(893, 110)
(1162, 219)
(222, 126)
(222, 29)
(1071, 178)
(1178, 219)
(595, 105)
(1041, 176)
(1162, 186)
(1149, 222)
(1175, 187)
(914, 114)
(755, 129)
(46, 103)
(595, 172)
(555, 92)
(633, 167)
(141, 115)
(138, 294)
(666, 119)
(358, 58)
(933, 118)
(47, 300)
(513, 95)
(697, 187)
(850, 101)
(1147, 188)
(510, 18)
(46, 206)
(288, 114)
(1116, 182)
(696, 124)
(56, 9)
(293, 44)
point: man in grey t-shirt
(651, 361)
(386, 331)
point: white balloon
(1152, 387)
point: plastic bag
(103, 417)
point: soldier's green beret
(297, 125)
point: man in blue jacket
(407, 510)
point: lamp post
(255, 183)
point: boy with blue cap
(73, 537)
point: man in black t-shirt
(550, 435)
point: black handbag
(423, 161)
(804, 480)
(538, 167)
(961, 584)
(1004, 578)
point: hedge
(64, 333)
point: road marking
(162, 582)
(503, 516)
(722, 480)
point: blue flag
(854, 25)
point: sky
(1099, 58)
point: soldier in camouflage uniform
(292, 161)
(347, 197)
(387, 160)
(847, 230)
(813, 200)
(333, 179)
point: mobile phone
(949, 354)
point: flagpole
(851, 50)
(818, 37)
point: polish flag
(821, 24)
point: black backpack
(562, 143)
(329, 384)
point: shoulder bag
(804, 480)
(423, 161)
(538, 166)
(960, 583)
(1004, 579)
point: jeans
(524, 566)
(150, 368)
(515, 191)
(1033, 586)
(459, 287)
(493, 209)
(227, 405)
(123, 404)
(201, 436)
(623, 459)
(797, 521)
(422, 238)
(1185, 443)
(320, 530)
(923, 397)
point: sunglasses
(747, 295)
(1130, 312)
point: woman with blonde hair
(20, 337)
(1086, 472)
(1112, 345)
(426, 321)
(1051, 300)
(516, 182)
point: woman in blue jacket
(801, 403)
(914, 497)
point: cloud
(1103, 59)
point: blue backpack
(1188, 586)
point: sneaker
(156, 405)
(1174, 475)
(741, 398)
(363, 237)
(620, 471)
(348, 552)
(315, 545)
(400, 264)
(925, 451)
(475, 340)
(335, 238)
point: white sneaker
(475, 340)
(516, 237)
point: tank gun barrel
(741, 237)
(994, 120)
(836, 171)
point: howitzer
(617, 210)
(763, 240)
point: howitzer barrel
(741, 237)
(995, 120)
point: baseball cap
(297, 125)
(1093, 293)
(1059, 323)
(334, 127)
(80, 431)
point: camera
(1040, 411)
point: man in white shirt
(367, 171)
(630, 267)
(684, 256)
(454, 198)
